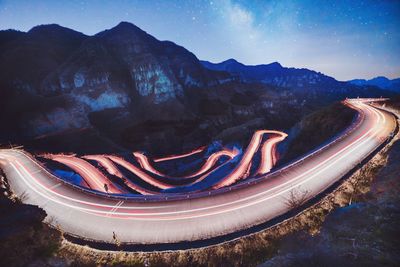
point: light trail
(93, 177)
(210, 162)
(172, 157)
(138, 172)
(106, 163)
(112, 169)
(53, 192)
(240, 172)
(269, 154)
(243, 165)
(189, 219)
(141, 216)
(145, 163)
(350, 148)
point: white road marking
(353, 147)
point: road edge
(234, 236)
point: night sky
(345, 39)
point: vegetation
(362, 232)
(343, 235)
(394, 102)
(24, 238)
(297, 197)
(318, 127)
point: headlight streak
(89, 173)
(173, 216)
(359, 142)
(172, 157)
(241, 171)
(112, 169)
(210, 162)
(348, 149)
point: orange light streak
(112, 169)
(93, 177)
(240, 170)
(200, 149)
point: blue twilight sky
(345, 39)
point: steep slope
(26, 59)
(52, 78)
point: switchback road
(96, 217)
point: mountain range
(275, 74)
(127, 88)
(272, 73)
(381, 82)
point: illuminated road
(113, 170)
(210, 162)
(217, 212)
(268, 150)
(172, 157)
(90, 174)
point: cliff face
(129, 60)
(26, 60)
(53, 77)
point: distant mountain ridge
(381, 82)
(273, 73)
(296, 78)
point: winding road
(189, 217)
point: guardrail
(201, 243)
(182, 196)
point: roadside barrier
(181, 196)
(212, 241)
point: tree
(297, 197)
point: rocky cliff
(53, 77)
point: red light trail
(170, 218)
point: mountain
(53, 78)
(9, 35)
(381, 82)
(124, 89)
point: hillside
(122, 89)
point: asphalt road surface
(96, 217)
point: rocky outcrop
(69, 75)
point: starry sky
(345, 39)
